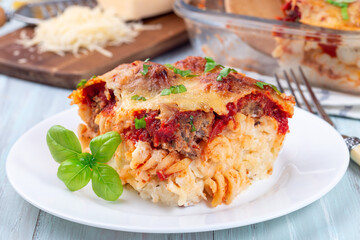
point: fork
(353, 143)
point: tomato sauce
(269, 108)
(328, 49)
(157, 132)
(292, 14)
(98, 90)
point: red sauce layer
(268, 108)
(94, 96)
(157, 132)
(291, 13)
(93, 90)
(328, 49)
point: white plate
(312, 162)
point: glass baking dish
(330, 58)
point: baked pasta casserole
(329, 60)
(188, 134)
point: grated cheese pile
(81, 29)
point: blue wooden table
(23, 104)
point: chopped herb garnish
(183, 73)
(145, 67)
(262, 84)
(224, 72)
(344, 13)
(140, 123)
(94, 76)
(193, 129)
(137, 97)
(211, 64)
(81, 83)
(173, 90)
(165, 92)
(178, 89)
(343, 4)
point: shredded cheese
(81, 29)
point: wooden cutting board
(67, 71)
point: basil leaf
(81, 83)
(262, 84)
(178, 89)
(224, 73)
(145, 67)
(74, 173)
(211, 64)
(62, 143)
(140, 123)
(344, 13)
(165, 92)
(173, 90)
(169, 66)
(104, 146)
(106, 182)
(137, 97)
(193, 128)
(183, 73)
(94, 76)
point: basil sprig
(183, 73)
(77, 168)
(262, 84)
(173, 90)
(145, 67)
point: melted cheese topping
(191, 100)
(203, 93)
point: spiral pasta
(187, 136)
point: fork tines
(315, 102)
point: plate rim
(174, 229)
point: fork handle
(353, 144)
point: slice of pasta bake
(188, 134)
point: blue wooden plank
(51, 227)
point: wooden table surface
(23, 104)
